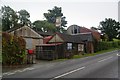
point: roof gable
(77, 38)
(25, 31)
(56, 38)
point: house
(72, 44)
(31, 37)
(88, 40)
(62, 45)
(75, 29)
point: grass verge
(91, 54)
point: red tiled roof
(46, 39)
(95, 33)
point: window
(80, 47)
(69, 46)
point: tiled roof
(95, 34)
(46, 39)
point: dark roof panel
(77, 38)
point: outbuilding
(31, 37)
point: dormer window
(75, 30)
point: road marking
(0, 76)
(5, 73)
(10, 73)
(104, 59)
(31, 68)
(67, 73)
(18, 71)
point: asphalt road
(99, 66)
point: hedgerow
(103, 45)
(13, 49)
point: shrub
(103, 45)
(13, 49)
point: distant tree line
(48, 25)
(109, 28)
(12, 18)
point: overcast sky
(85, 13)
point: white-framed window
(80, 47)
(69, 46)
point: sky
(85, 13)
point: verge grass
(93, 54)
(89, 54)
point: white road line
(18, 71)
(25, 69)
(31, 68)
(104, 59)
(67, 73)
(10, 73)
(5, 73)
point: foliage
(13, 49)
(24, 17)
(93, 54)
(11, 18)
(104, 37)
(111, 28)
(44, 26)
(53, 14)
(103, 45)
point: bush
(103, 45)
(13, 49)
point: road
(99, 66)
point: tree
(44, 26)
(24, 17)
(53, 14)
(110, 27)
(9, 18)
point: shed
(31, 37)
(49, 51)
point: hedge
(103, 45)
(13, 49)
